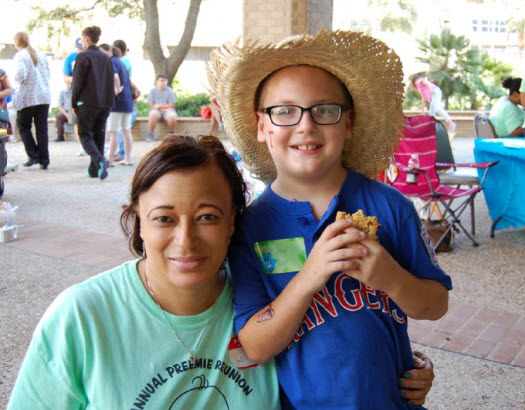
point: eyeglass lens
(322, 114)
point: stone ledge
(201, 126)
(139, 131)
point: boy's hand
(374, 267)
(416, 383)
(335, 251)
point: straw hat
(370, 70)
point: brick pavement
(468, 329)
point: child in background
(314, 117)
(433, 95)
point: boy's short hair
(159, 76)
(121, 45)
(104, 46)
(368, 68)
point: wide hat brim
(371, 71)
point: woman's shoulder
(91, 293)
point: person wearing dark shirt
(92, 99)
(120, 117)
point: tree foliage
(443, 53)
(59, 22)
(381, 15)
(469, 79)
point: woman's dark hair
(93, 32)
(178, 153)
(512, 84)
(104, 46)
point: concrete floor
(71, 232)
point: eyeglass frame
(342, 109)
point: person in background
(329, 302)
(67, 71)
(122, 48)
(120, 116)
(161, 100)
(62, 116)
(506, 116)
(157, 331)
(216, 119)
(32, 99)
(433, 95)
(5, 92)
(93, 95)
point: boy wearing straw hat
(313, 117)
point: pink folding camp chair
(419, 137)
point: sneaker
(82, 153)
(221, 127)
(30, 162)
(103, 169)
(149, 137)
(59, 139)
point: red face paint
(271, 141)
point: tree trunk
(162, 65)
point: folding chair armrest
(478, 165)
(486, 167)
(446, 165)
(404, 168)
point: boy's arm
(418, 298)
(269, 331)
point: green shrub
(189, 105)
(186, 105)
(142, 106)
(53, 112)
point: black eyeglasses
(290, 115)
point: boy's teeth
(306, 147)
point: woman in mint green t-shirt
(507, 116)
(156, 332)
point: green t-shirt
(506, 116)
(104, 344)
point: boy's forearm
(271, 330)
(419, 298)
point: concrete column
(272, 20)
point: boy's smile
(306, 151)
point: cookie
(366, 224)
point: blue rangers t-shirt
(353, 343)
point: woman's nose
(185, 234)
